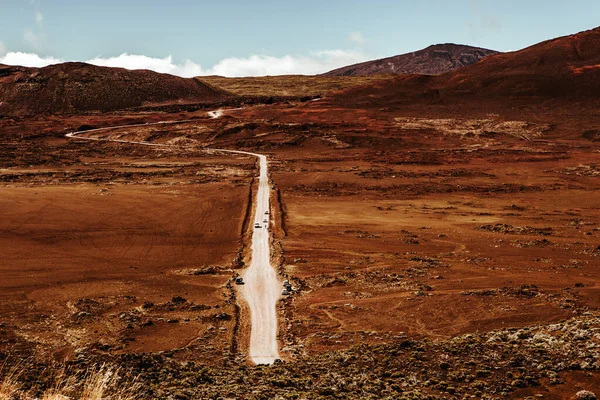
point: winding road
(262, 286)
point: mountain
(433, 60)
(566, 68)
(79, 87)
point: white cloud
(255, 65)
(39, 18)
(30, 37)
(163, 65)
(357, 38)
(28, 59)
(260, 65)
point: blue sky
(268, 36)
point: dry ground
(289, 85)
(442, 233)
(432, 233)
(127, 249)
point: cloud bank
(254, 65)
(163, 65)
(28, 59)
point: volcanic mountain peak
(433, 60)
(77, 87)
(564, 68)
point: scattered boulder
(178, 300)
(592, 134)
(515, 230)
(585, 395)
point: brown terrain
(77, 87)
(557, 73)
(433, 60)
(301, 86)
(442, 234)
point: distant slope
(287, 85)
(80, 87)
(433, 60)
(567, 68)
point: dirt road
(262, 287)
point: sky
(270, 37)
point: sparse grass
(9, 382)
(289, 85)
(475, 127)
(106, 383)
(103, 383)
(63, 384)
(9, 387)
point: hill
(79, 87)
(433, 60)
(566, 68)
(288, 85)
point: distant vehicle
(257, 225)
(239, 281)
(266, 221)
(267, 212)
(285, 292)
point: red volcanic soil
(562, 68)
(80, 87)
(433, 60)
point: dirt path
(262, 287)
